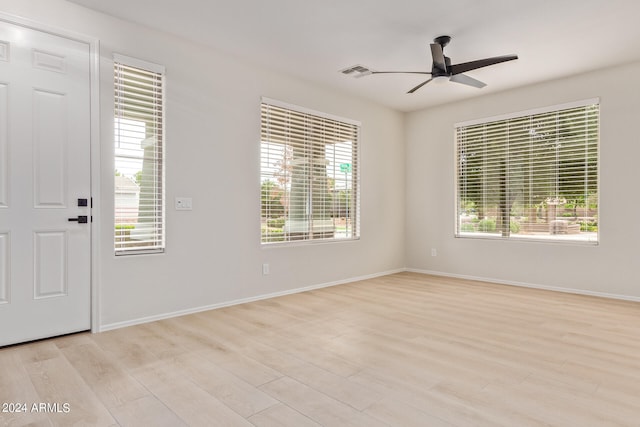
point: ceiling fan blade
(466, 80)
(400, 72)
(438, 57)
(419, 86)
(474, 65)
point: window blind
(309, 175)
(139, 156)
(530, 176)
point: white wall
(609, 268)
(213, 253)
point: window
(531, 175)
(309, 175)
(139, 161)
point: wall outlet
(434, 252)
(265, 269)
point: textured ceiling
(314, 40)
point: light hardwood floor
(399, 350)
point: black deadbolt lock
(82, 202)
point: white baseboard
(527, 285)
(139, 321)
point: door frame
(94, 149)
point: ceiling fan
(442, 67)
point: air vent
(356, 71)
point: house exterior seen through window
(531, 175)
(309, 175)
(139, 156)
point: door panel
(49, 149)
(49, 61)
(44, 169)
(4, 268)
(4, 152)
(4, 51)
(50, 264)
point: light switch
(184, 204)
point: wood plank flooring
(400, 350)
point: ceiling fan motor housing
(438, 72)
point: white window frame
(341, 160)
(147, 236)
(558, 229)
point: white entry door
(45, 256)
